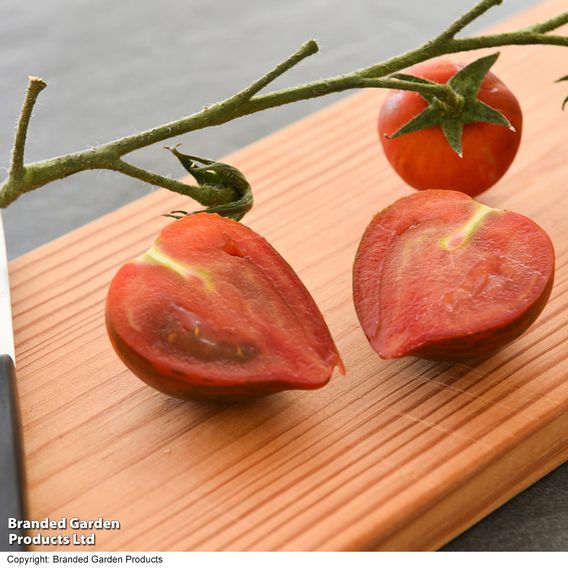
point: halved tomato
(211, 310)
(441, 276)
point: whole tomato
(425, 160)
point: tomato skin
(425, 160)
(212, 311)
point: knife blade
(12, 480)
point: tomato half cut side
(212, 311)
(441, 276)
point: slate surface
(117, 67)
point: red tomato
(441, 276)
(213, 311)
(424, 159)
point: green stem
(551, 24)
(27, 177)
(466, 19)
(309, 48)
(204, 194)
(35, 87)
(498, 40)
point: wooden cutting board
(396, 455)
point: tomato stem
(23, 178)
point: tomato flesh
(212, 311)
(441, 276)
(425, 160)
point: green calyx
(459, 107)
(213, 176)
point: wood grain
(396, 455)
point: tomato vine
(23, 177)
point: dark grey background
(116, 67)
